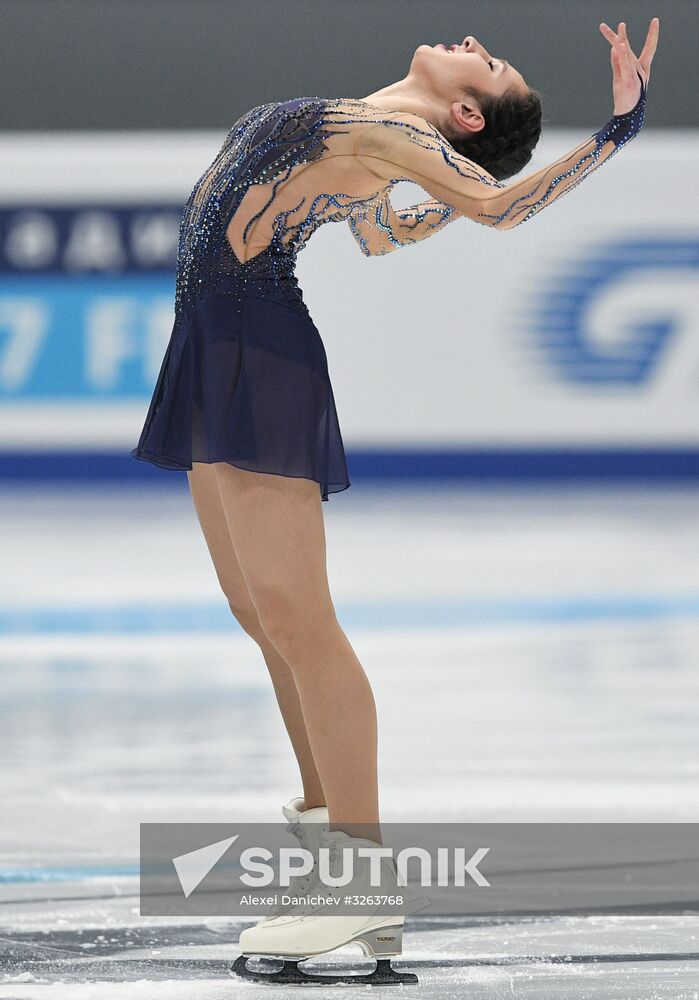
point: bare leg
(277, 528)
(203, 483)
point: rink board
(575, 334)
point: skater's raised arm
(406, 146)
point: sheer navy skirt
(245, 380)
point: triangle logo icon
(193, 867)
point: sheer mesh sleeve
(380, 228)
(406, 147)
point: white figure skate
(309, 930)
(306, 825)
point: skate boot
(305, 824)
(310, 930)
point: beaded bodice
(265, 151)
(285, 168)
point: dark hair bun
(511, 131)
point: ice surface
(533, 656)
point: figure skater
(244, 403)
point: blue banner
(86, 300)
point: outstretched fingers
(624, 39)
(650, 45)
(610, 35)
(623, 57)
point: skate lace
(335, 857)
(298, 884)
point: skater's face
(451, 68)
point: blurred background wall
(140, 64)
(567, 346)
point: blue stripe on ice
(212, 617)
(24, 875)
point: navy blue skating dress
(245, 379)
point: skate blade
(290, 974)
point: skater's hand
(626, 67)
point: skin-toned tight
(266, 537)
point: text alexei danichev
(285, 900)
